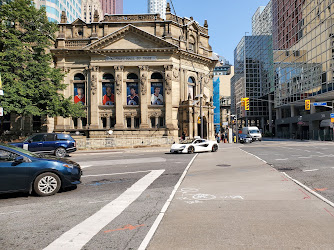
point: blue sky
(228, 20)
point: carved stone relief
(143, 80)
(93, 86)
(118, 81)
(168, 85)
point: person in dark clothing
(183, 137)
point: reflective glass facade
(55, 7)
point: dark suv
(49, 143)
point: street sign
(1, 111)
(307, 104)
(332, 115)
(320, 104)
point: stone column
(195, 124)
(144, 102)
(108, 122)
(132, 122)
(93, 120)
(79, 123)
(118, 97)
(168, 97)
(156, 122)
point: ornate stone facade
(138, 75)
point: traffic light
(246, 103)
(307, 104)
(199, 120)
(242, 102)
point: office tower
(157, 6)
(55, 7)
(89, 7)
(112, 7)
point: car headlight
(182, 146)
(68, 166)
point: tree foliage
(31, 85)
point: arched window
(191, 88)
(108, 89)
(156, 76)
(79, 89)
(79, 77)
(108, 77)
(132, 76)
(157, 90)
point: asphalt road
(119, 199)
(310, 162)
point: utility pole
(200, 105)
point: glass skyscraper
(55, 7)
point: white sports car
(194, 145)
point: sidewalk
(232, 200)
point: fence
(125, 142)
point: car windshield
(23, 151)
(187, 141)
(254, 131)
(29, 138)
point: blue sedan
(24, 171)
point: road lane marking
(86, 166)
(285, 159)
(310, 190)
(96, 175)
(305, 157)
(104, 162)
(158, 220)
(310, 170)
(82, 233)
(14, 212)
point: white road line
(95, 175)
(310, 170)
(282, 159)
(295, 155)
(309, 190)
(157, 221)
(104, 162)
(86, 166)
(305, 157)
(14, 212)
(82, 233)
(254, 156)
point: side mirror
(29, 141)
(18, 160)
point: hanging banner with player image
(79, 93)
(132, 94)
(157, 91)
(108, 96)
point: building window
(128, 122)
(191, 88)
(137, 122)
(108, 90)
(79, 89)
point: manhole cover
(223, 165)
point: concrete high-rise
(157, 7)
(89, 9)
(112, 7)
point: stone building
(137, 75)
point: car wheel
(47, 184)
(60, 152)
(214, 148)
(191, 150)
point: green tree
(31, 85)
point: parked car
(245, 138)
(194, 146)
(24, 171)
(49, 143)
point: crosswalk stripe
(82, 233)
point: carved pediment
(78, 21)
(130, 37)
